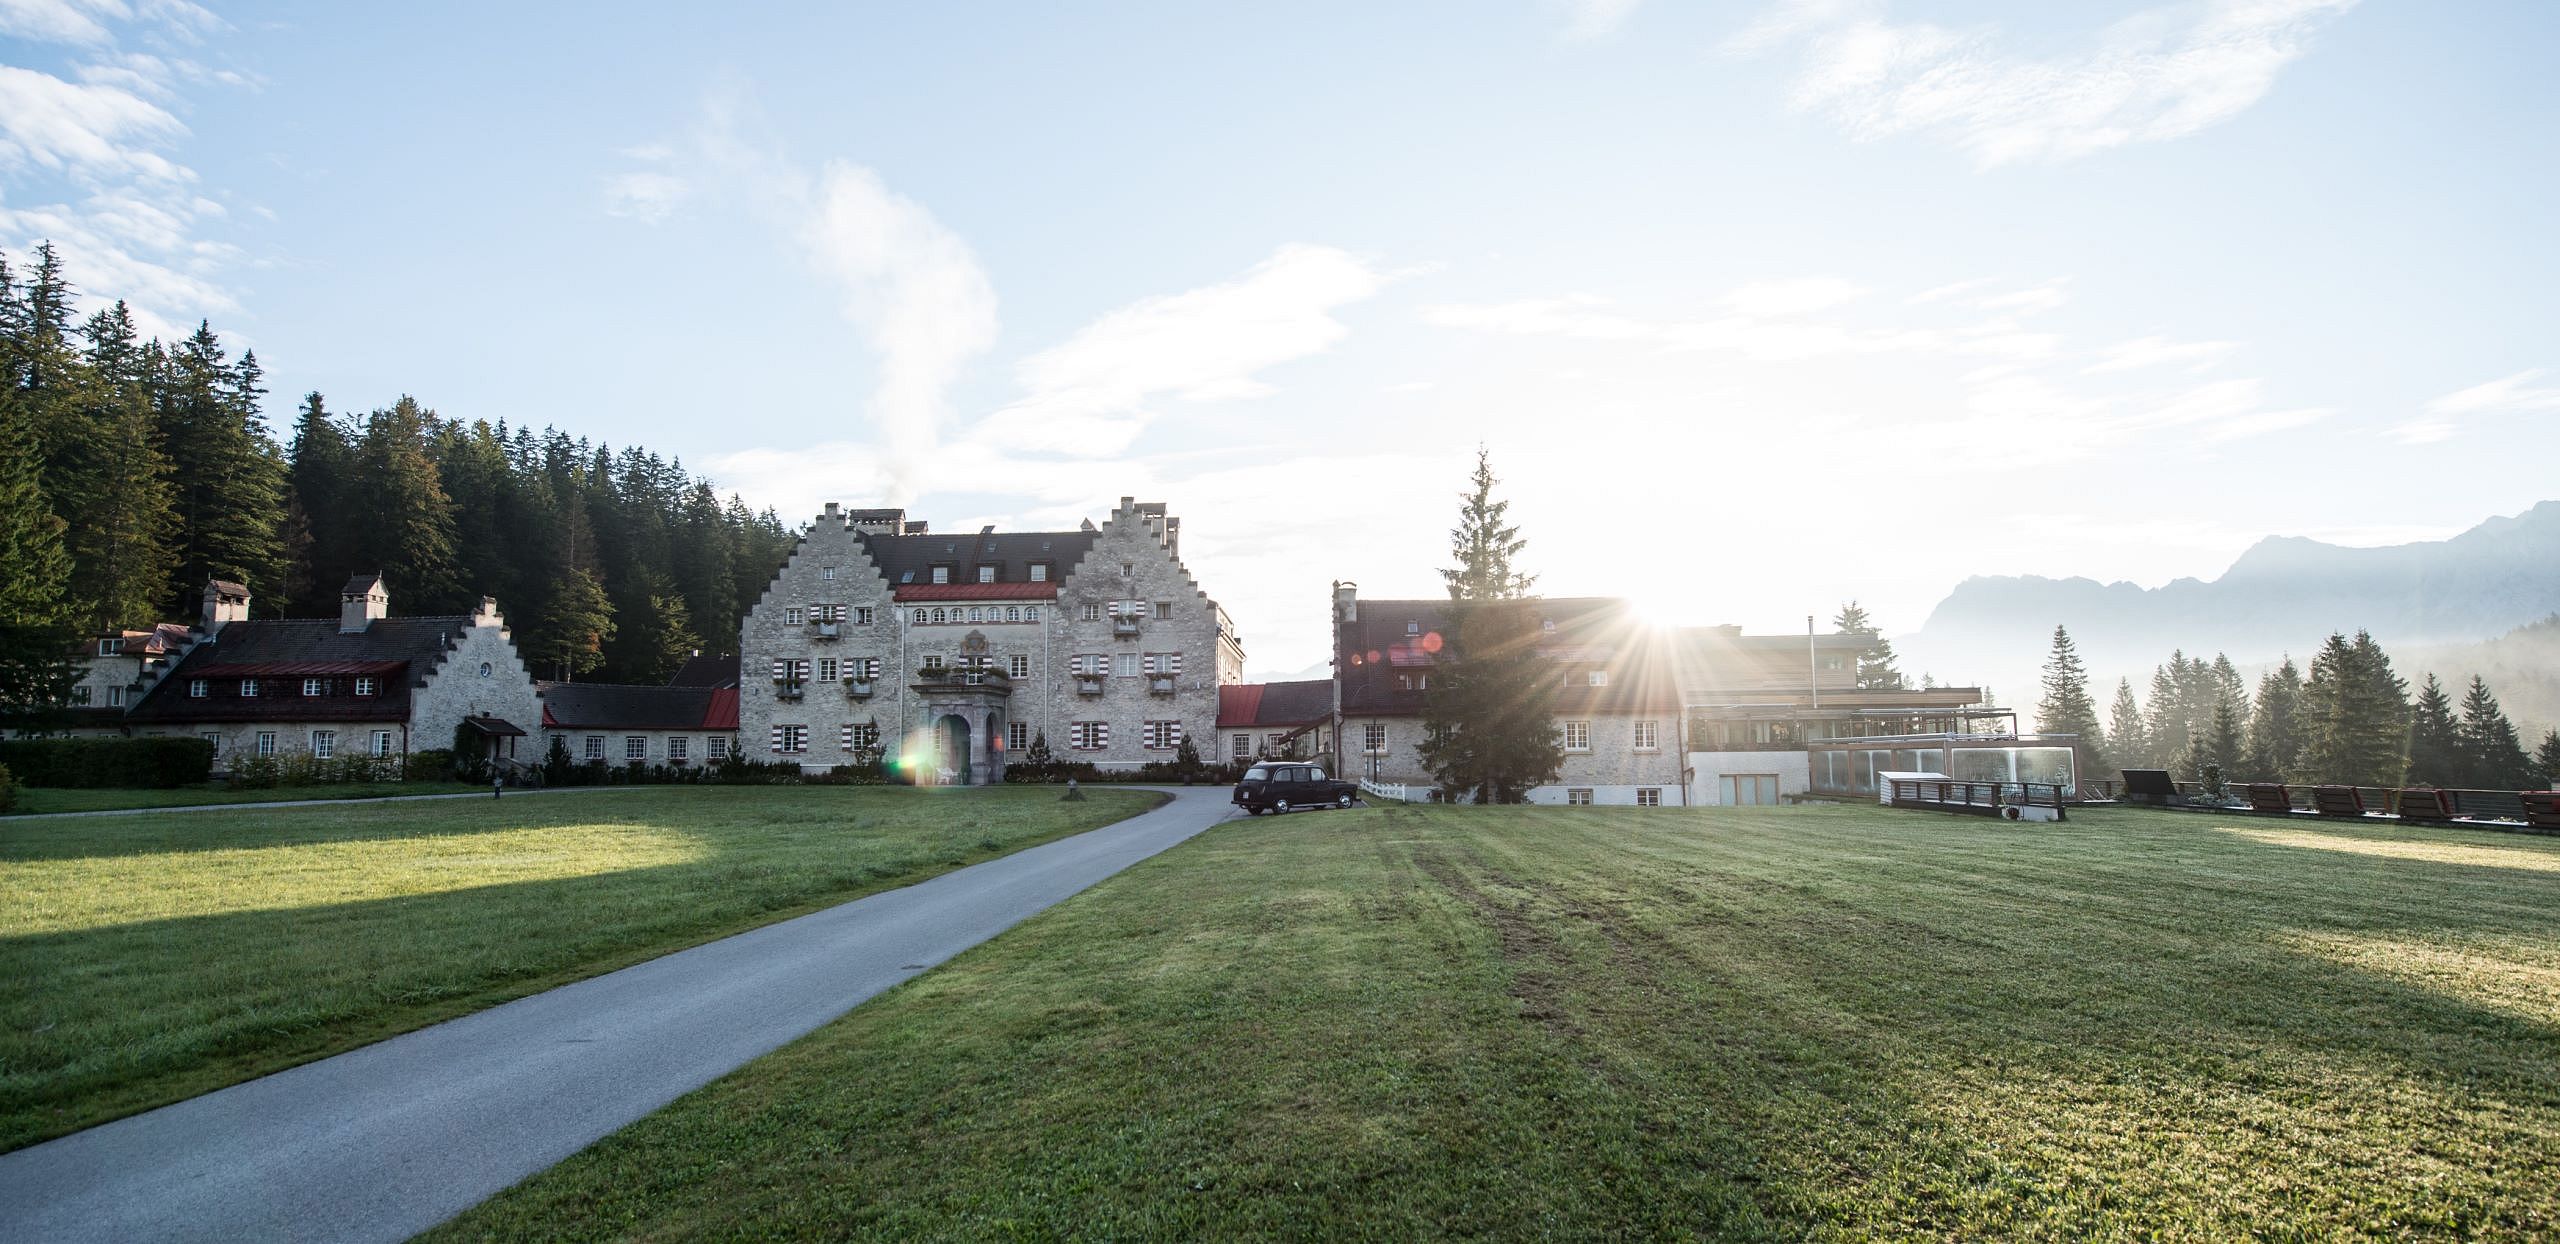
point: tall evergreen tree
(115, 493)
(570, 626)
(2354, 715)
(321, 467)
(231, 478)
(404, 520)
(2493, 755)
(2221, 748)
(1488, 716)
(2127, 740)
(2436, 756)
(1876, 669)
(2275, 733)
(2546, 758)
(2066, 707)
(2165, 715)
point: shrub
(144, 762)
(8, 792)
(432, 765)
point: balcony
(787, 691)
(989, 676)
(1088, 684)
(1125, 627)
(826, 630)
(857, 688)
(1160, 684)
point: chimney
(361, 601)
(834, 512)
(487, 614)
(223, 602)
(1346, 601)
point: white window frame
(679, 747)
(199, 688)
(1162, 736)
(717, 749)
(986, 574)
(115, 697)
(942, 574)
(862, 615)
(1039, 572)
(1242, 748)
(1018, 665)
(1648, 736)
(635, 747)
(826, 669)
(1088, 736)
(324, 744)
(248, 688)
(595, 747)
(1648, 796)
(266, 745)
(1373, 738)
(381, 744)
(1599, 678)
(1017, 736)
(1577, 796)
(827, 574)
(312, 687)
(365, 686)
(1577, 736)
(794, 615)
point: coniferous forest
(132, 470)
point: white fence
(1384, 790)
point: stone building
(362, 683)
(118, 666)
(675, 725)
(949, 652)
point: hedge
(147, 762)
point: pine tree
(2493, 755)
(1876, 670)
(2436, 754)
(114, 490)
(571, 626)
(2354, 715)
(2126, 736)
(2220, 748)
(2275, 732)
(231, 484)
(1488, 716)
(2165, 716)
(404, 521)
(2066, 707)
(2546, 758)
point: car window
(1315, 775)
(1257, 774)
(1293, 774)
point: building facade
(948, 653)
(362, 683)
(677, 726)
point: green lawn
(147, 959)
(1756, 1023)
(35, 799)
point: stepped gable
(399, 651)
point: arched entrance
(951, 749)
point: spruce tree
(1876, 670)
(2220, 749)
(2546, 758)
(404, 521)
(2127, 739)
(231, 483)
(2165, 715)
(321, 466)
(570, 626)
(116, 494)
(1488, 720)
(2275, 732)
(2493, 755)
(2436, 754)
(2354, 715)
(2066, 707)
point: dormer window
(1039, 572)
(1412, 628)
(1599, 678)
(986, 574)
(110, 647)
(199, 688)
(942, 574)
(249, 688)
(314, 686)
(364, 686)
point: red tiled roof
(723, 713)
(977, 591)
(1248, 705)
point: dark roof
(975, 591)
(226, 587)
(1577, 635)
(698, 670)
(358, 585)
(1255, 704)
(612, 706)
(909, 560)
(400, 651)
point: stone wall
(457, 688)
(1611, 764)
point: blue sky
(1757, 305)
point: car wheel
(1343, 800)
(1280, 805)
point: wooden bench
(2541, 808)
(2337, 801)
(2270, 797)
(2424, 803)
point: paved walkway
(307, 803)
(386, 1141)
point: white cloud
(2161, 74)
(129, 216)
(1593, 19)
(1770, 321)
(2441, 418)
(1091, 394)
(1802, 296)
(913, 289)
(2142, 352)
